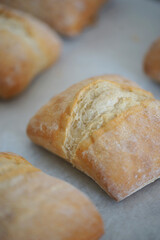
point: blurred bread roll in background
(152, 61)
(35, 206)
(27, 46)
(68, 17)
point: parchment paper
(115, 44)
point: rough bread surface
(99, 104)
(107, 127)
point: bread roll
(152, 61)
(68, 17)
(35, 206)
(27, 47)
(108, 128)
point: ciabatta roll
(35, 206)
(108, 128)
(152, 61)
(27, 46)
(68, 17)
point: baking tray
(116, 44)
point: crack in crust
(101, 102)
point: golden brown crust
(69, 17)
(26, 48)
(96, 155)
(12, 165)
(152, 61)
(35, 205)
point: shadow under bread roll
(27, 47)
(107, 127)
(68, 17)
(36, 206)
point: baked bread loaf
(152, 61)
(27, 47)
(35, 206)
(68, 17)
(108, 128)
